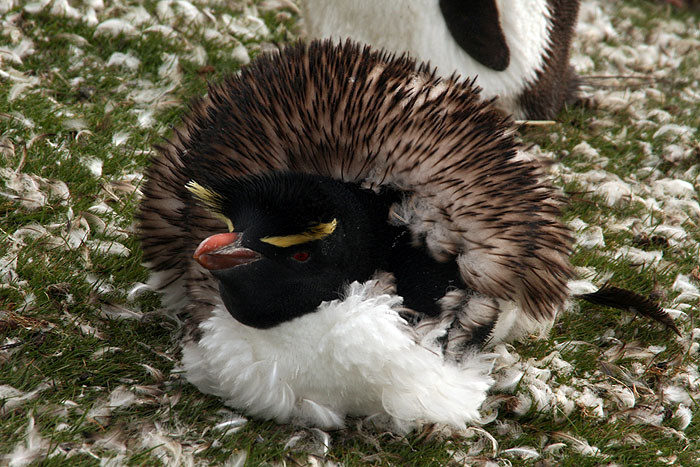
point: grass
(57, 333)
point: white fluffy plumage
(351, 357)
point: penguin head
(295, 240)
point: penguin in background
(518, 50)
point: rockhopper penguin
(518, 50)
(342, 232)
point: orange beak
(221, 252)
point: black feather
(624, 299)
(476, 27)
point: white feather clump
(30, 449)
(170, 11)
(115, 26)
(32, 191)
(12, 398)
(589, 153)
(355, 356)
(587, 236)
(638, 257)
(684, 416)
(127, 60)
(164, 445)
(688, 291)
(119, 398)
(6, 5)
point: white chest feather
(351, 357)
(418, 27)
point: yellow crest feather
(317, 232)
(211, 199)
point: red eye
(301, 256)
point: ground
(88, 362)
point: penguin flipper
(475, 26)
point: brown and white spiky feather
(360, 115)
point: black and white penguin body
(518, 50)
(343, 232)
